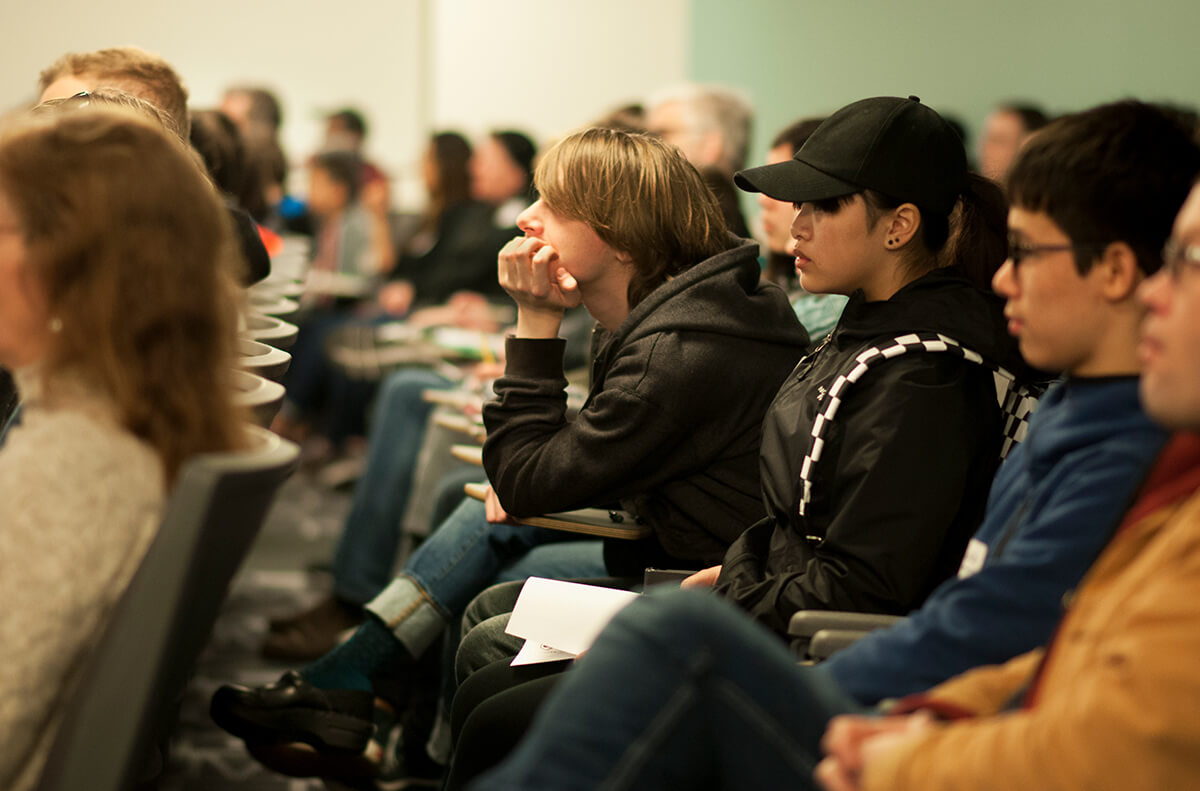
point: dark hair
(217, 139)
(344, 167)
(1032, 117)
(1117, 172)
(796, 133)
(520, 149)
(351, 119)
(451, 153)
(264, 109)
(626, 118)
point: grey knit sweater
(80, 498)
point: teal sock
(353, 663)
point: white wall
(547, 66)
(317, 58)
(411, 65)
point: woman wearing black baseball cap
(879, 451)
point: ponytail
(978, 238)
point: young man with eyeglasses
(1094, 195)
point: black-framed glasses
(1018, 251)
(1176, 255)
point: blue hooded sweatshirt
(1053, 505)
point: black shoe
(293, 710)
(387, 763)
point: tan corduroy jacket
(1118, 701)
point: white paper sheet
(560, 620)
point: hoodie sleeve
(635, 432)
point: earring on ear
(893, 241)
(56, 325)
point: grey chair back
(270, 330)
(261, 359)
(125, 694)
(261, 396)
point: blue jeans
(467, 554)
(366, 551)
(682, 690)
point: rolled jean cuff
(410, 613)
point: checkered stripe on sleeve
(1016, 401)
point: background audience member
(148, 77)
(454, 247)
(1005, 130)
(711, 126)
(96, 205)
(817, 312)
(502, 174)
(219, 143)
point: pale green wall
(803, 57)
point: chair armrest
(586, 521)
(461, 424)
(826, 642)
(471, 454)
(807, 623)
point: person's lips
(1149, 348)
(1015, 323)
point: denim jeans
(465, 555)
(366, 551)
(682, 690)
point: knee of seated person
(496, 600)
(481, 646)
(673, 610)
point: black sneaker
(293, 710)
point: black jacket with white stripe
(906, 457)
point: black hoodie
(904, 474)
(671, 425)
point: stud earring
(56, 325)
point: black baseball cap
(895, 146)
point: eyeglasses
(1018, 251)
(1175, 255)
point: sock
(353, 663)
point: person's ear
(902, 226)
(1117, 272)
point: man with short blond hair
(131, 69)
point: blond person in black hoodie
(689, 349)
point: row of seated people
(909, 453)
(862, 532)
(363, 561)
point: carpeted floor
(280, 576)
